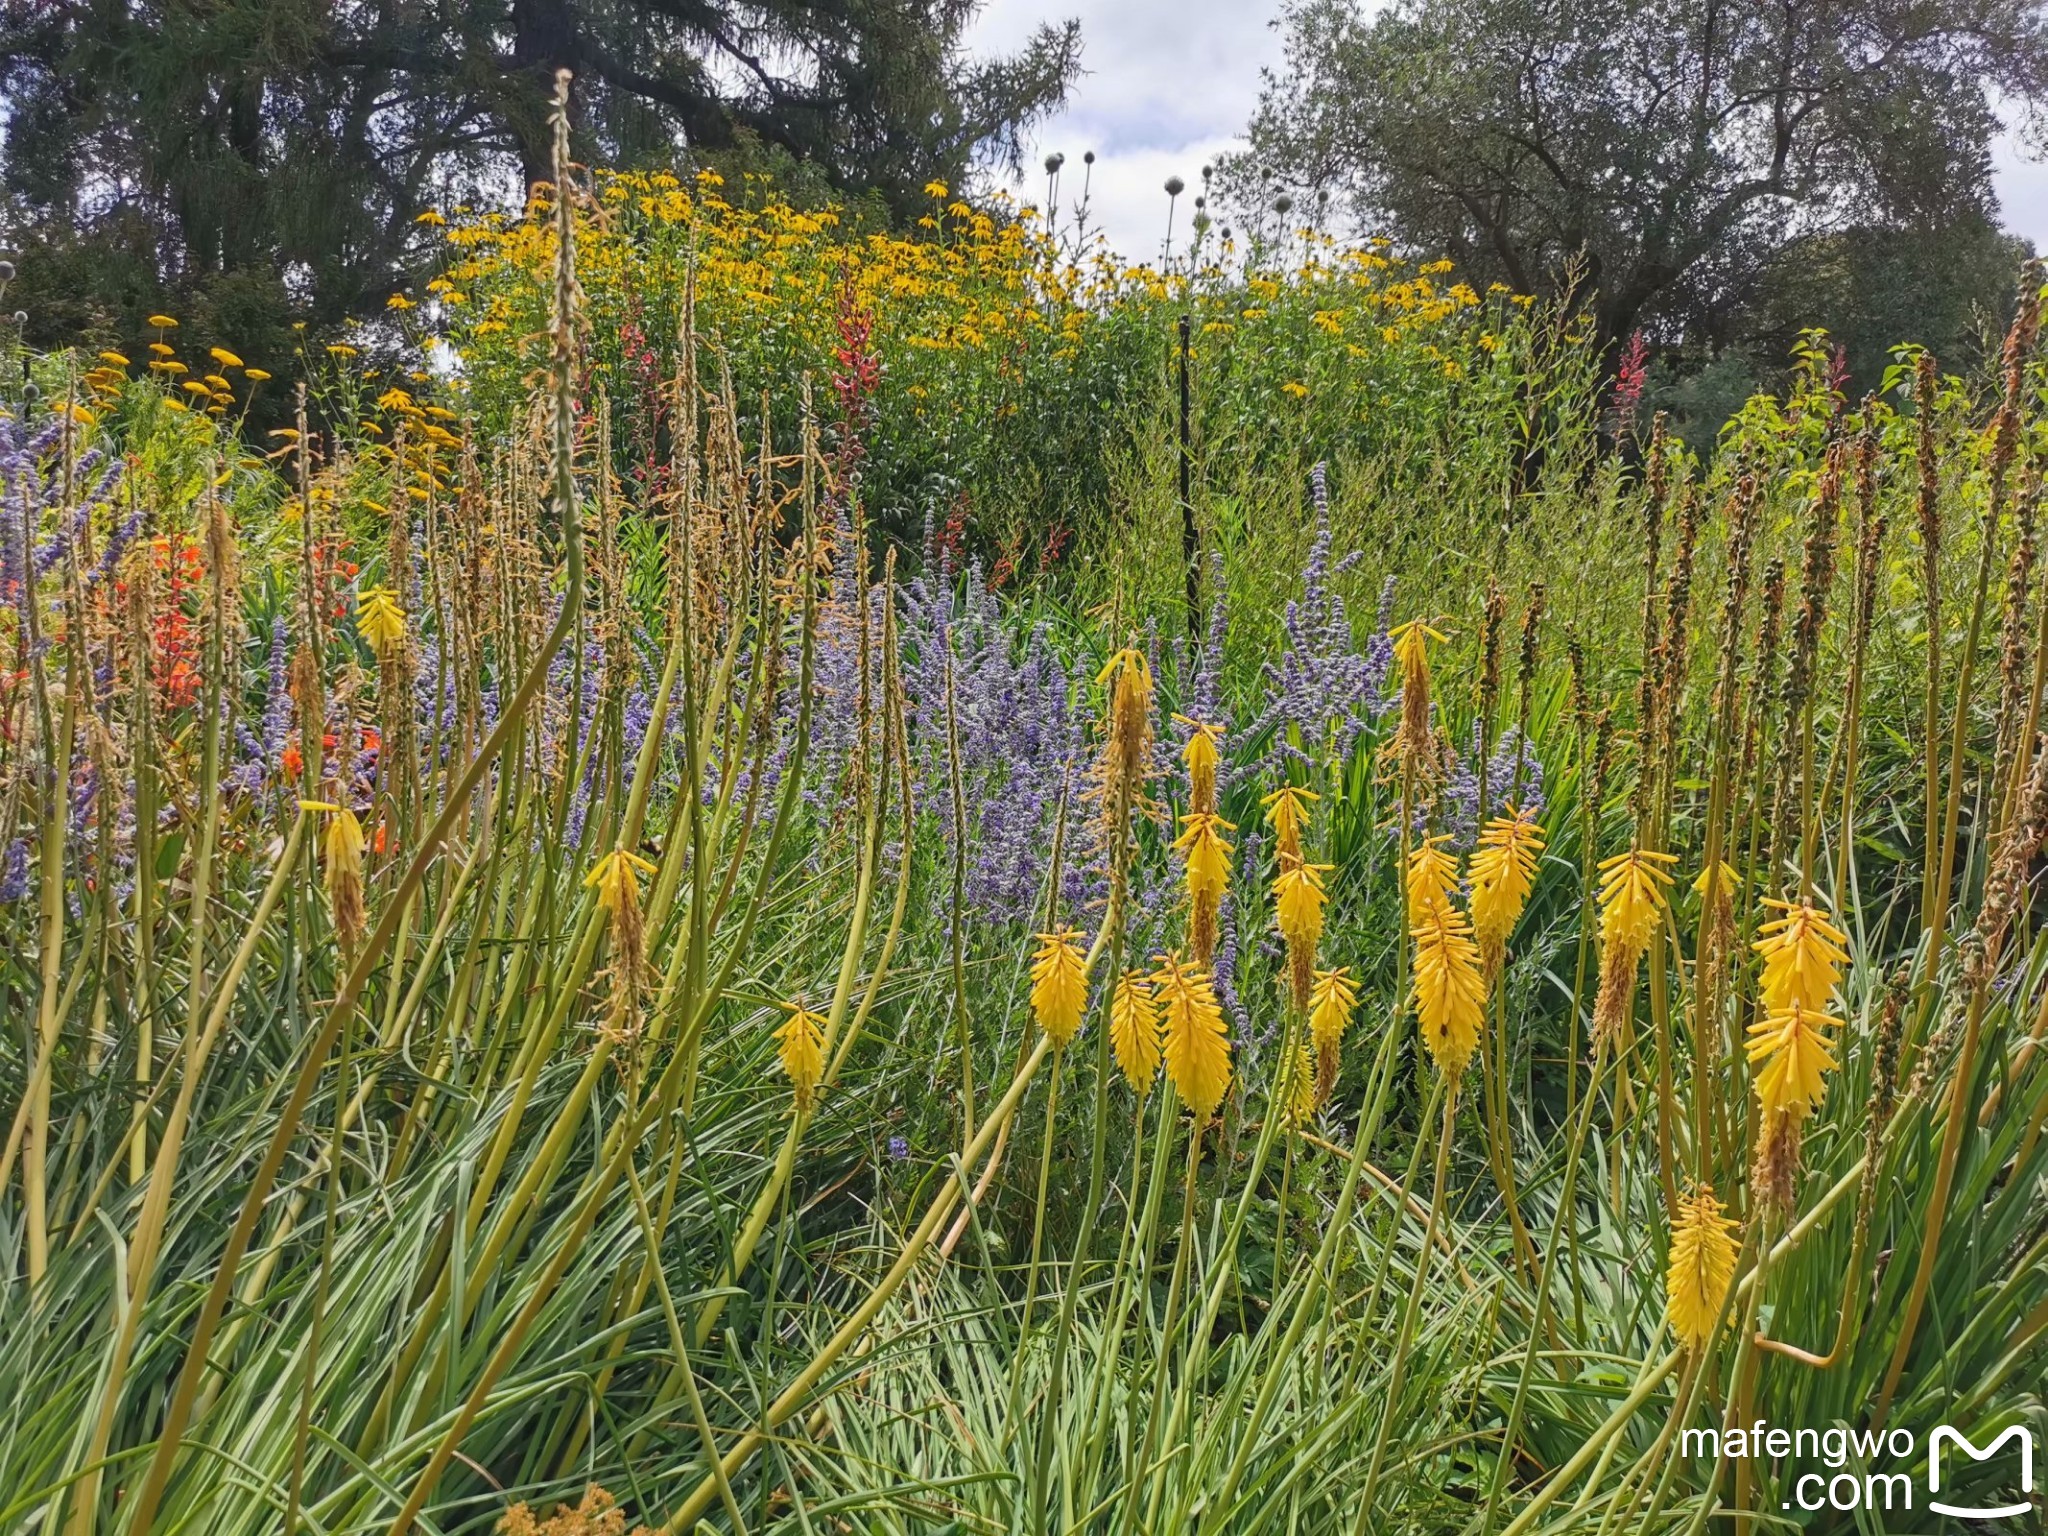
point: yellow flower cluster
(963, 303)
(1632, 900)
(1450, 992)
(800, 1047)
(1059, 985)
(1702, 1266)
(1330, 1007)
(1503, 874)
(1803, 955)
(1134, 1030)
(209, 390)
(1197, 1049)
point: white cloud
(2022, 190)
(1170, 84)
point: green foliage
(324, 1224)
(1703, 172)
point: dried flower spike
(1118, 778)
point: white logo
(2017, 1432)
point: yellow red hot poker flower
(1701, 1268)
(1196, 1046)
(343, 844)
(1789, 1046)
(1330, 1006)
(800, 1046)
(1059, 985)
(1287, 810)
(1207, 872)
(1503, 874)
(1793, 1050)
(1803, 954)
(1632, 900)
(1450, 993)
(1414, 744)
(1201, 755)
(1716, 888)
(1134, 1030)
(379, 619)
(1298, 899)
(617, 884)
(1121, 770)
(1432, 876)
(1300, 1096)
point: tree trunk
(544, 39)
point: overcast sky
(1171, 83)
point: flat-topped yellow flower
(1793, 1049)
(1059, 985)
(379, 619)
(1702, 1267)
(1803, 954)
(1450, 993)
(1134, 1030)
(1432, 876)
(1196, 1047)
(800, 1047)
